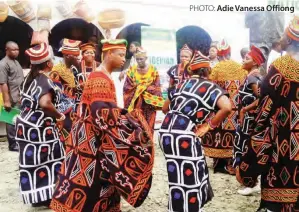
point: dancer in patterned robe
(189, 118)
(63, 75)
(110, 152)
(177, 73)
(88, 65)
(142, 89)
(273, 150)
(218, 144)
(41, 152)
(247, 101)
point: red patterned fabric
(108, 154)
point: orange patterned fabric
(108, 154)
(274, 146)
(99, 89)
(229, 75)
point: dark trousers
(11, 134)
(11, 131)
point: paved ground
(225, 189)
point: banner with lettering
(160, 45)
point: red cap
(223, 48)
(257, 55)
(39, 53)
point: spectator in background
(243, 52)
(213, 55)
(11, 77)
(142, 89)
(177, 73)
(94, 40)
(133, 48)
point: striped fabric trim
(107, 47)
(70, 50)
(88, 46)
(199, 61)
(71, 43)
(39, 53)
(187, 48)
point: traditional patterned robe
(65, 79)
(176, 74)
(81, 77)
(273, 150)
(218, 143)
(245, 97)
(108, 154)
(41, 152)
(192, 103)
(143, 92)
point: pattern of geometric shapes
(108, 154)
(245, 97)
(229, 75)
(231, 122)
(176, 74)
(80, 78)
(41, 152)
(294, 115)
(192, 103)
(273, 153)
(143, 92)
(294, 146)
(284, 176)
(280, 195)
(64, 78)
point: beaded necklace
(83, 68)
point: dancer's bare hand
(202, 130)
(241, 117)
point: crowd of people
(79, 151)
